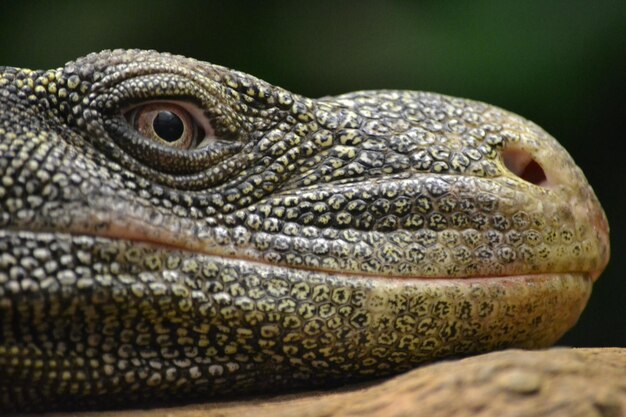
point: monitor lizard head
(158, 210)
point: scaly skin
(303, 242)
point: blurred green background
(561, 64)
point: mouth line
(172, 247)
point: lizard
(175, 230)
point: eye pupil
(168, 126)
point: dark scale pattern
(101, 318)
(303, 242)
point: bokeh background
(561, 64)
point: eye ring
(167, 123)
(215, 155)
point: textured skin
(309, 242)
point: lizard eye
(167, 123)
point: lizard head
(212, 215)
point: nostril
(522, 164)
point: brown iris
(167, 123)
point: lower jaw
(123, 307)
(536, 308)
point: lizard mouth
(146, 241)
(135, 244)
(79, 267)
(138, 231)
(141, 235)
